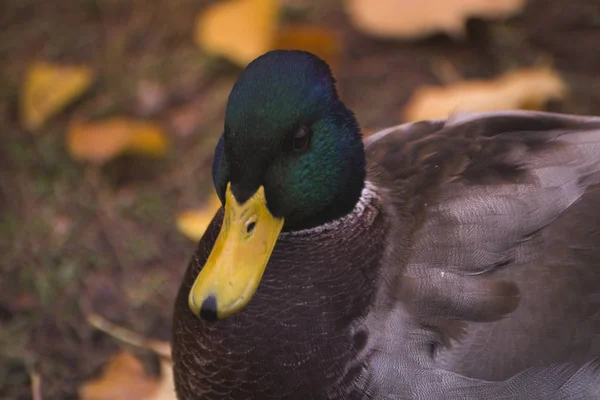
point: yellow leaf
(239, 30)
(411, 19)
(123, 378)
(124, 366)
(320, 41)
(48, 88)
(102, 140)
(521, 89)
(193, 223)
(147, 138)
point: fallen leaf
(48, 88)
(123, 378)
(412, 19)
(147, 138)
(143, 386)
(239, 30)
(102, 140)
(193, 223)
(322, 42)
(522, 89)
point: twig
(163, 349)
(36, 385)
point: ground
(77, 238)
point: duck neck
(306, 315)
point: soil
(77, 238)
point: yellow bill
(238, 259)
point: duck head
(291, 157)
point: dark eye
(301, 139)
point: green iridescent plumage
(275, 96)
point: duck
(440, 259)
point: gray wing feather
(506, 242)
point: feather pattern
(469, 269)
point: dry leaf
(48, 88)
(411, 19)
(320, 41)
(522, 89)
(124, 378)
(128, 365)
(102, 140)
(239, 30)
(242, 30)
(147, 138)
(193, 223)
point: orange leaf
(124, 363)
(320, 41)
(147, 138)
(123, 378)
(524, 89)
(239, 30)
(415, 18)
(193, 223)
(102, 140)
(48, 88)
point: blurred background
(109, 114)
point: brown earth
(76, 238)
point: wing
(556, 382)
(504, 235)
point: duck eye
(301, 139)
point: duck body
(468, 267)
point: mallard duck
(455, 258)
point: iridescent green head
(287, 130)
